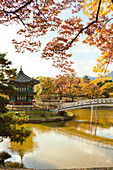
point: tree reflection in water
(44, 135)
(26, 147)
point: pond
(70, 144)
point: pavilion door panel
(21, 89)
(30, 89)
(21, 98)
(12, 99)
(30, 98)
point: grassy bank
(39, 116)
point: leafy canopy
(40, 16)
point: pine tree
(8, 121)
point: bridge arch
(86, 103)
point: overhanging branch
(26, 4)
(82, 29)
(40, 10)
(98, 10)
(15, 12)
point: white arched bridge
(86, 103)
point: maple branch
(15, 12)
(82, 29)
(9, 12)
(109, 20)
(27, 3)
(40, 10)
(98, 10)
(22, 21)
(23, 6)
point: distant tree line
(71, 87)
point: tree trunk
(72, 99)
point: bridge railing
(86, 102)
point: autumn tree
(46, 88)
(39, 17)
(8, 121)
(89, 89)
(100, 81)
(68, 86)
(106, 89)
(93, 91)
(72, 86)
(86, 78)
(37, 88)
(60, 86)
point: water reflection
(71, 144)
(27, 146)
(57, 150)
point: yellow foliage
(101, 79)
(101, 66)
(92, 6)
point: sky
(33, 65)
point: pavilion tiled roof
(23, 78)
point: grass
(40, 114)
(35, 113)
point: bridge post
(96, 112)
(91, 114)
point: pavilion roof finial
(20, 68)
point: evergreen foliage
(8, 121)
